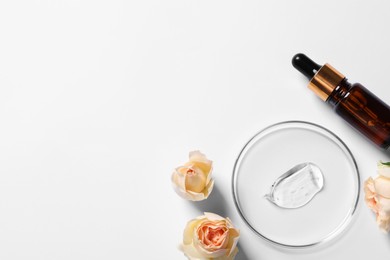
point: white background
(101, 100)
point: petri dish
(272, 152)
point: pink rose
(192, 181)
(210, 237)
(377, 196)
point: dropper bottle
(353, 102)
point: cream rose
(210, 237)
(192, 181)
(377, 196)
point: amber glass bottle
(353, 102)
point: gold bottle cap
(325, 81)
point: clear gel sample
(297, 186)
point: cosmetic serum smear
(297, 186)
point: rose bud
(192, 181)
(377, 196)
(210, 237)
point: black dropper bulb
(305, 65)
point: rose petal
(213, 235)
(215, 254)
(209, 254)
(213, 217)
(179, 177)
(208, 189)
(369, 187)
(383, 205)
(178, 183)
(194, 196)
(383, 170)
(233, 253)
(197, 156)
(196, 180)
(189, 231)
(191, 252)
(383, 223)
(200, 160)
(382, 186)
(370, 198)
(185, 195)
(234, 234)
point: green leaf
(386, 163)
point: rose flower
(377, 196)
(210, 237)
(192, 181)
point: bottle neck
(339, 93)
(325, 81)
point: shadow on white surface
(241, 255)
(215, 203)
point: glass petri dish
(271, 153)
